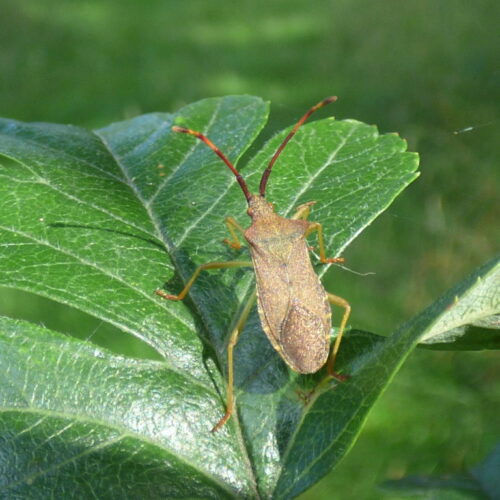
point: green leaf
(458, 487)
(486, 473)
(335, 417)
(76, 418)
(98, 221)
(472, 319)
(481, 482)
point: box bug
(293, 306)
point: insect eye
(250, 212)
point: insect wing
(292, 304)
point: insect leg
(199, 269)
(233, 339)
(316, 226)
(233, 226)
(303, 211)
(338, 301)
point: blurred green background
(424, 69)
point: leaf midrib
(165, 181)
(168, 247)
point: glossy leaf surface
(99, 220)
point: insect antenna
(220, 154)
(267, 171)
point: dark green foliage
(98, 220)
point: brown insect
(294, 308)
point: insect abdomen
(304, 342)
